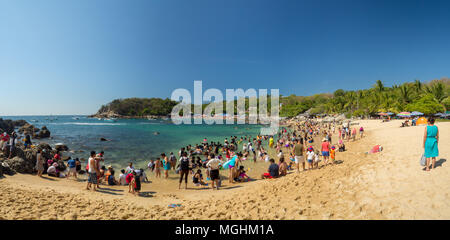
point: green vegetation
(429, 98)
(140, 106)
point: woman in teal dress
(430, 143)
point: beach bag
(423, 160)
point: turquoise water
(131, 139)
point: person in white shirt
(316, 159)
(130, 168)
(214, 164)
(122, 178)
(310, 157)
(93, 171)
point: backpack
(184, 164)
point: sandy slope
(389, 185)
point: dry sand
(386, 185)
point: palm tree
(379, 86)
(404, 93)
(437, 90)
(417, 86)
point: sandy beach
(386, 185)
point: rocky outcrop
(6, 125)
(43, 133)
(20, 165)
(24, 160)
(29, 129)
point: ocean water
(131, 139)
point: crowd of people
(204, 161)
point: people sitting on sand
(282, 166)
(241, 175)
(197, 179)
(52, 171)
(143, 175)
(111, 179)
(122, 178)
(272, 171)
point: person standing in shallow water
(430, 143)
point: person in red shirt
(57, 156)
(325, 151)
(129, 179)
(4, 140)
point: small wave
(89, 124)
(149, 123)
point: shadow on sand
(439, 163)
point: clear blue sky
(70, 57)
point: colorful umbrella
(382, 114)
(415, 113)
(390, 113)
(404, 114)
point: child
(242, 176)
(333, 154)
(158, 165)
(310, 157)
(292, 158)
(317, 159)
(136, 183)
(197, 179)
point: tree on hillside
(379, 86)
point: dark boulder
(6, 125)
(43, 133)
(28, 129)
(61, 147)
(20, 165)
(19, 123)
(5, 169)
(43, 146)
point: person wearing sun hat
(325, 150)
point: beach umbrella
(382, 114)
(390, 113)
(404, 114)
(439, 114)
(415, 113)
